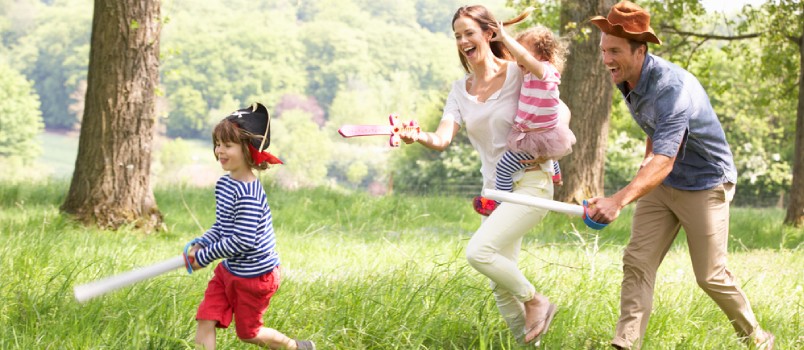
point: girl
(537, 132)
(243, 236)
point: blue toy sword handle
(588, 220)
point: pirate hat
(629, 21)
(256, 120)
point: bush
(20, 118)
(623, 156)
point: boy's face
(230, 156)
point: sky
(729, 6)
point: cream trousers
(494, 249)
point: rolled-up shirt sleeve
(673, 106)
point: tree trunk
(111, 183)
(795, 210)
(586, 88)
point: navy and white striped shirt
(243, 233)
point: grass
(363, 272)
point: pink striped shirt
(539, 100)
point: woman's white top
(488, 123)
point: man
(686, 179)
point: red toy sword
(371, 130)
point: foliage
(356, 172)
(301, 145)
(420, 170)
(356, 61)
(623, 157)
(188, 114)
(757, 100)
(180, 161)
(20, 119)
(305, 103)
(175, 154)
(778, 59)
(545, 12)
(52, 49)
(246, 62)
(435, 15)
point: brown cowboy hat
(627, 20)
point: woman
(485, 102)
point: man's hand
(604, 209)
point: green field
(363, 272)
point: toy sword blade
(556, 206)
(364, 130)
(393, 129)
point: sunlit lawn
(364, 272)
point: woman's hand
(409, 136)
(533, 164)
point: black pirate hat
(256, 120)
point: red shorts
(246, 298)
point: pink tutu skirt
(552, 143)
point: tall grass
(363, 272)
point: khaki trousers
(494, 249)
(659, 215)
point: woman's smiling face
(472, 41)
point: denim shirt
(673, 109)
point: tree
(586, 89)
(795, 210)
(111, 186)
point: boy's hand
(191, 256)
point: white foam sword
(556, 206)
(100, 287)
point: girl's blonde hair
(545, 45)
(228, 131)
